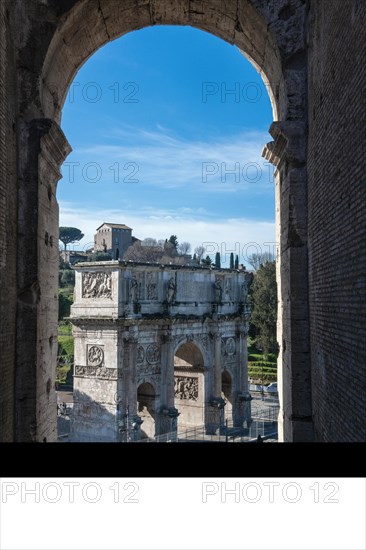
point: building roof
(115, 225)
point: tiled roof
(115, 225)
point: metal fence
(264, 424)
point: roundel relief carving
(230, 346)
(95, 356)
(152, 354)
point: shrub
(100, 257)
(64, 305)
(67, 277)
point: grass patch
(263, 364)
(257, 356)
(65, 328)
(262, 368)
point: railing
(268, 414)
(264, 424)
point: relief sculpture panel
(186, 388)
(97, 285)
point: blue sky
(167, 125)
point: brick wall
(8, 197)
(337, 217)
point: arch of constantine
(157, 347)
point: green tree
(256, 260)
(62, 263)
(207, 261)
(64, 305)
(174, 240)
(263, 300)
(67, 277)
(100, 257)
(236, 266)
(231, 260)
(169, 249)
(218, 260)
(69, 235)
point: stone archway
(70, 33)
(88, 25)
(146, 409)
(119, 347)
(189, 385)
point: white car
(256, 387)
(271, 388)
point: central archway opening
(189, 385)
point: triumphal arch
(158, 348)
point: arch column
(288, 154)
(242, 397)
(167, 417)
(217, 365)
(129, 420)
(214, 404)
(41, 151)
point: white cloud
(169, 161)
(239, 235)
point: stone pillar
(288, 154)
(166, 417)
(42, 149)
(169, 418)
(217, 366)
(242, 399)
(129, 421)
(213, 402)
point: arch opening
(146, 409)
(86, 27)
(226, 393)
(189, 394)
(188, 356)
